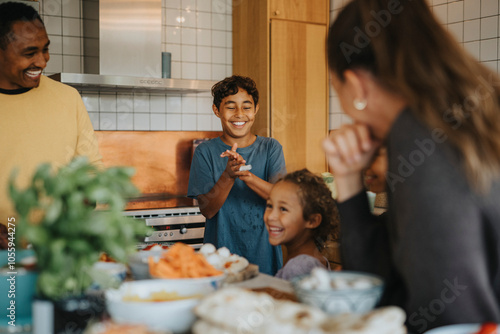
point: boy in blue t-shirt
(234, 201)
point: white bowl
(138, 263)
(346, 300)
(175, 315)
(456, 329)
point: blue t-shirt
(239, 224)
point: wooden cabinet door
(299, 92)
(314, 11)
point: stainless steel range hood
(129, 50)
(120, 83)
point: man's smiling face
(237, 114)
(25, 55)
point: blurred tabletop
(265, 281)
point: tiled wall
(474, 23)
(198, 33)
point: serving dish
(360, 297)
(144, 302)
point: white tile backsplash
(188, 54)
(71, 9)
(189, 104)
(472, 10)
(204, 5)
(218, 38)
(488, 49)
(188, 123)
(188, 70)
(125, 121)
(71, 45)
(107, 121)
(489, 7)
(188, 5)
(474, 23)
(204, 20)
(188, 36)
(107, 102)
(53, 25)
(174, 104)
(158, 122)
(142, 122)
(141, 103)
(173, 35)
(472, 30)
(203, 71)
(204, 54)
(175, 4)
(204, 122)
(456, 12)
(173, 122)
(188, 19)
(219, 55)
(489, 27)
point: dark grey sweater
(438, 246)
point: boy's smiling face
(237, 114)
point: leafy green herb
(58, 216)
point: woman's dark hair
(11, 12)
(230, 85)
(412, 55)
(316, 197)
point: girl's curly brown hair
(316, 197)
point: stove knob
(183, 230)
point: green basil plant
(57, 215)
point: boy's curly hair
(230, 85)
(316, 197)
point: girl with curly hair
(301, 214)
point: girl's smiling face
(284, 216)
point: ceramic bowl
(347, 299)
(138, 263)
(175, 315)
(456, 329)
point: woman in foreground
(407, 83)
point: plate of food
(486, 328)
(181, 261)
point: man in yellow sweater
(41, 120)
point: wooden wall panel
(299, 95)
(251, 53)
(162, 159)
(312, 11)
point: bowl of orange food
(160, 304)
(179, 262)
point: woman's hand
(234, 162)
(349, 151)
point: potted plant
(57, 215)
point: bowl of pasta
(160, 304)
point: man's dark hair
(11, 12)
(230, 85)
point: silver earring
(359, 104)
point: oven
(170, 225)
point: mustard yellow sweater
(46, 124)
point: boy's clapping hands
(234, 162)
